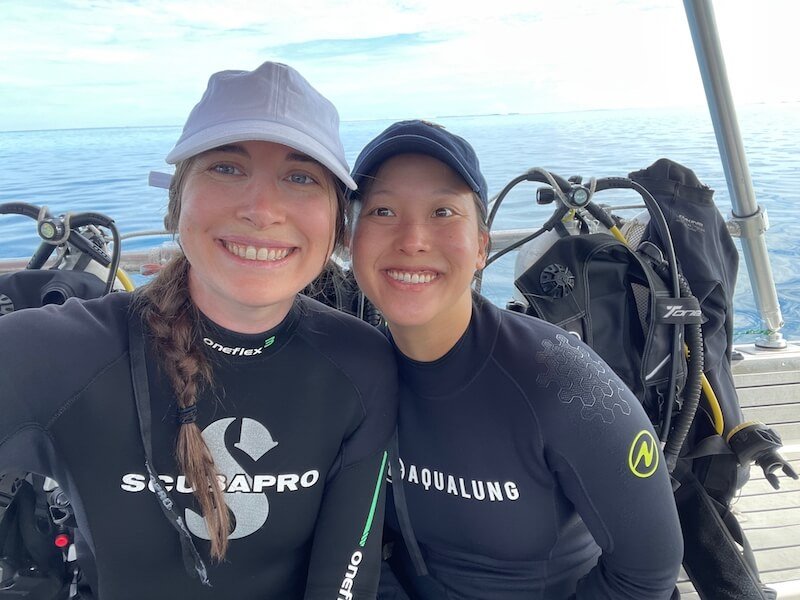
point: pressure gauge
(51, 229)
(579, 196)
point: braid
(173, 320)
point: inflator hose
(694, 342)
(669, 274)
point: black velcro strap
(402, 510)
(192, 560)
(678, 311)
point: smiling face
(257, 224)
(416, 248)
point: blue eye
(301, 178)
(225, 169)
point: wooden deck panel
(767, 502)
(773, 413)
(746, 380)
(767, 519)
(766, 395)
(762, 486)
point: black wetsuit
(298, 422)
(524, 459)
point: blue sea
(106, 170)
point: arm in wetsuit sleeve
(39, 374)
(25, 445)
(604, 453)
(346, 552)
(346, 555)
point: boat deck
(768, 383)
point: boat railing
(748, 215)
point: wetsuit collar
(454, 371)
(226, 346)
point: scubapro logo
(245, 495)
(643, 455)
(249, 510)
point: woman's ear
(483, 250)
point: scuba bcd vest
(33, 288)
(588, 285)
(37, 553)
(36, 532)
(32, 564)
(617, 299)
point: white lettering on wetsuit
(238, 351)
(244, 494)
(350, 577)
(241, 482)
(461, 487)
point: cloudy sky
(98, 63)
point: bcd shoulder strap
(609, 296)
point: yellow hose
(618, 234)
(713, 403)
(711, 397)
(126, 282)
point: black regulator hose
(533, 174)
(97, 253)
(668, 273)
(558, 214)
(19, 208)
(692, 388)
(70, 223)
(559, 185)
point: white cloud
(383, 58)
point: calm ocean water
(106, 170)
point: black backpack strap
(398, 491)
(192, 560)
(717, 567)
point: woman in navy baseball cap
(524, 467)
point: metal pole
(749, 220)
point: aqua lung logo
(643, 455)
(432, 480)
(245, 495)
(238, 350)
(691, 224)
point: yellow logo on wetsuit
(643, 456)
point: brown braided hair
(174, 324)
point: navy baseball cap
(422, 137)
